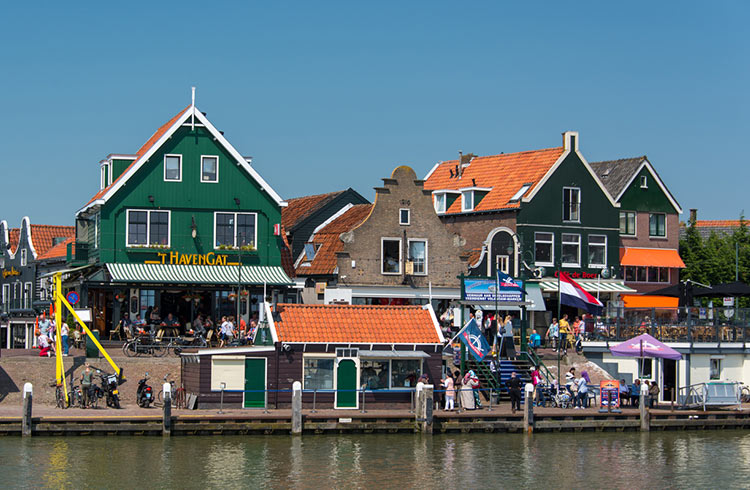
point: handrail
(537, 361)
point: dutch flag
(572, 294)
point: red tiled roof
(142, 151)
(300, 208)
(287, 262)
(59, 250)
(474, 255)
(327, 240)
(42, 237)
(356, 324)
(718, 223)
(505, 174)
(14, 234)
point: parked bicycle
(178, 344)
(60, 401)
(144, 344)
(178, 394)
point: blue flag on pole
(474, 340)
(508, 284)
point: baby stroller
(562, 398)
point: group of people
(561, 334)
(467, 387)
(46, 336)
(633, 394)
(578, 387)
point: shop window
(572, 204)
(27, 296)
(209, 169)
(439, 203)
(641, 274)
(627, 223)
(630, 274)
(715, 369)
(404, 216)
(597, 250)
(173, 168)
(418, 256)
(148, 300)
(24, 258)
(647, 274)
(148, 227)
(646, 368)
(663, 274)
(318, 373)
(390, 253)
(374, 374)
(653, 274)
(405, 372)
(234, 230)
(657, 226)
(571, 250)
(544, 248)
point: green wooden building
(185, 225)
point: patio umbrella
(644, 346)
(683, 290)
(734, 289)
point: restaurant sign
(486, 290)
(12, 272)
(177, 258)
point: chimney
(459, 170)
(693, 216)
(570, 140)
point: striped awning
(197, 274)
(591, 286)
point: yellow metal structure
(61, 301)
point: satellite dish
(604, 273)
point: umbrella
(683, 290)
(738, 288)
(645, 345)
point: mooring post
(528, 409)
(418, 403)
(166, 428)
(428, 392)
(296, 408)
(643, 409)
(26, 416)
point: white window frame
(319, 356)
(562, 245)
(400, 256)
(426, 254)
(552, 255)
(463, 200)
(408, 216)
(6, 293)
(444, 196)
(234, 233)
(719, 366)
(665, 226)
(644, 181)
(102, 176)
(217, 170)
(502, 263)
(597, 266)
(148, 227)
(578, 219)
(165, 167)
(635, 223)
(24, 257)
(27, 294)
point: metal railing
(712, 394)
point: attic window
(467, 200)
(644, 182)
(310, 251)
(518, 195)
(439, 203)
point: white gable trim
(333, 217)
(26, 224)
(432, 170)
(663, 188)
(435, 322)
(271, 323)
(190, 112)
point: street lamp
(239, 266)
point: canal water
(712, 459)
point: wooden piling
(644, 414)
(27, 406)
(166, 429)
(296, 408)
(528, 409)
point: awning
(533, 296)
(198, 274)
(639, 301)
(392, 354)
(650, 257)
(591, 286)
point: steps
(498, 379)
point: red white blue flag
(572, 294)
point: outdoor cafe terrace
(683, 324)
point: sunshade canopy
(645, 345)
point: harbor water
(705, 459)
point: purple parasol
(645, 346)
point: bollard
(296, 408)
(643, 411)
(363, 400)
(26, 416)
(221, 400)
(528, 409)
(412, 406)
(315, 394)
(167, 416)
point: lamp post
(239, 242)
(523, 276)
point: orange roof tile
(328, 243)
(59, 250)
(43, 236)
(300, 208)
(355, 324)
(142, 151)
(287, 262)
(14, 234)
(505, 174)
(718, 223)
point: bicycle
(744, 394)
(138, 346)
(60, 397)
(177, 398)
(75, 397)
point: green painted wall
(119, 166)
(598, 216)
(187, 199)
(652, 199)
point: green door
(255, 383)
(346, 384)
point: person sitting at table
(138, 325)
(635, 393)
(624, 391)
(154, 317)
(171, 323)
(198, 328)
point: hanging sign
(177, 258)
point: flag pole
(559, 336)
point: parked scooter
(109, 387)
(145, 394)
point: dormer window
(467, 201)
(644, 182)
(439, 203)
(104, 178)
(444, 199)
(472, 196)
(518, 195)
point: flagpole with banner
(559, 337)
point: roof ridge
(554, 148)
(316, 195)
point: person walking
(510, 348)
(450, 392)
(536, 380)
(64, 333)
(553, 334)
(653, 394)
(514, 389)
(564, 331)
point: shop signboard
(609, 389)
(486, 290)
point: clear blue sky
(329, 95)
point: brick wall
(642, 238)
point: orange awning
(650, 257)
(638, 301)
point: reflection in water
(714, 459)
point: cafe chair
(117, 331)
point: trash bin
(91, 349)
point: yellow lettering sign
(12, 272)
(174, 258)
